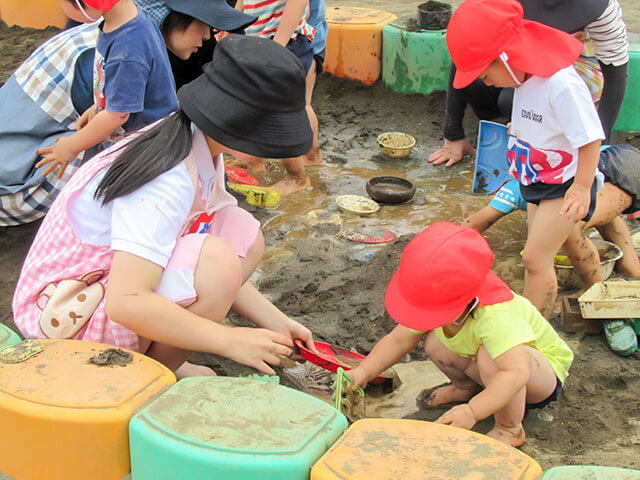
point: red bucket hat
(102, 5)
(441, 270)
(481, 30)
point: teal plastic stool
(8, 336)
(585, 472)
(414, 60)
(629, 118)
(231, 428)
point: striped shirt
(269, 13)
(609, 36)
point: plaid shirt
(47, 74)
(156, 9)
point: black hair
(147, 156)
(175, 21)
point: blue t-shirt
(508, 198)
(132, 73)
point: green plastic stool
(586, 472)
(8, 336)
(629, 118)
(231, 428)
(414, 60)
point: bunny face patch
(68, 305)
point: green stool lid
(240, 415)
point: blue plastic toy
(492, 164)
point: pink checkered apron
(62, 269)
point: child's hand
(86, 117)
(459, 416)
(295, 330)
(576, 203)
(59, 155)
(358, 378)
(256, 347)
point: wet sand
(313, 274)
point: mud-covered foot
(450, 394)
(313, 157)
(191, 370)
(513, 436)
(288, 185)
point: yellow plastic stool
(391, 449)
(35, 13)
(64, 418)
(354, 42)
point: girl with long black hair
(144, 249)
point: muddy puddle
(435, 199)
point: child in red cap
(555, 133)
(132, 80)
(501, 355)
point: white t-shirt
(146, 222)
(551, 119)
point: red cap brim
(492, 291)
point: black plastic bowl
(390, 189)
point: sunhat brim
(243, 127)
(217, 14)
(542, 50)
(535, 49)
(492, 290)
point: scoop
(330, 357)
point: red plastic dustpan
(331, 357)
(240, 175)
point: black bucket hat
(567, 15)
(251, 98)
(215, 13)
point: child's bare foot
(313, 157)
(450, 394)
(513, 436)
(290, 185)
(188, 369)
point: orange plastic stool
(36, 13)
(390, 449)
(64, 418)
(354, 42)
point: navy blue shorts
(319, 59)
(536, 192)
(302, 48)
(551, 398)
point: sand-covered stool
(38, 13)
(66, 418)
(392, 449)
(589, 472)
(414, 60)
(629, 118)
(354, 42)
(231, 428)
(7, 336)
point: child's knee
(219, 258)
(438, 353)
(486, 365)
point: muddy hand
(576, 203)
(358, 378)
(451, 152)
(459, 416)
(257, 348)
